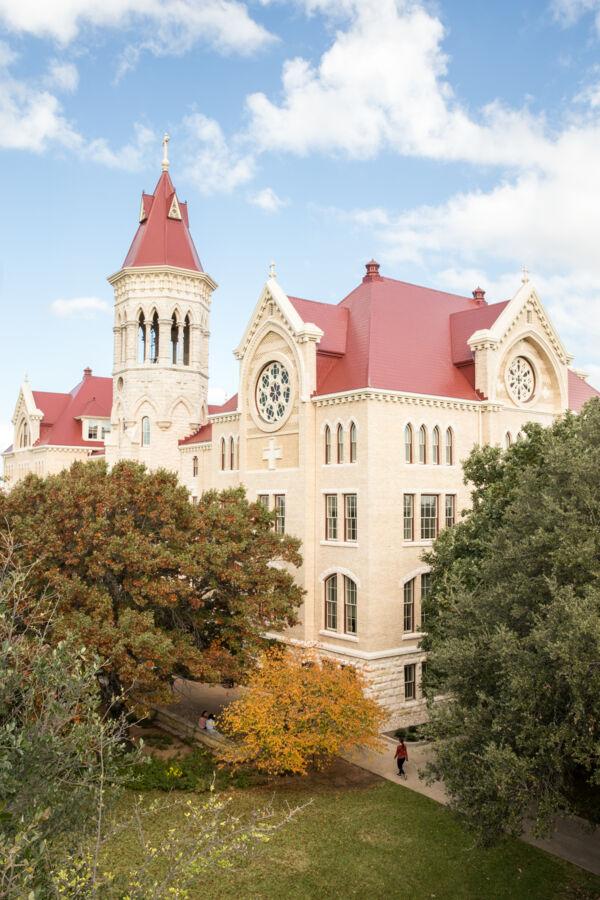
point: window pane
(340, 444)
(279, 500)
(422, 444)
(449, 447)
(408, 444)
(450, 510)
(425, 592)
(195, 466)
(331, 517)
(409, 605)
(429, 516)
(350, 606)
(409, 682)
(350, 518)
(223, 453)
(409, 517)
(263, 499)
(353, 443)
(435, 446)
(231, 453)
(331, 603)
(327, 445)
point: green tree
(514, 632)
(153, 585)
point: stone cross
(272, 453)
(272, 272)
(524, 274)
(165, 160)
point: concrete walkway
(570, 841)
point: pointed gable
(163, 237)
(61, 424)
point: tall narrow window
(24, 435)
(409, 606)
(425, 593)
(223, 454)
(408, 444)
(154, 339)
(331, 603)
(174, 340)
(142, 338)
(340, 444)
(508, 440)
(195, 467)
(409, 682)
(435, 446)
(186, 340)
(263, 499)
(353, 443)
(145, 432)
(350, 606)
(327, 445)
(429, 517)
(409, 517)
(519, 437)
(449, 447)
(331, 517)
(350, 517)
(231, 453)
(422, 444)
(92, 431)
(450, 511)
(279, 513)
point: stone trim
(403, 397)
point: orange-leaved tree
(298, 712)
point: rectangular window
(350, 517)
(92, 432)
(409, 682)
(409, 517)
(425, 591)
(331, 517)
(350, 606)
(263, 499)
(429, 517)
(409, 606)
(279, 500)
(331, 603)
(450, 510)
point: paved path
(570, 841)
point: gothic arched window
(223, 454)
(435, 446)
(142, 338)
(350, 606)
(353, 442)
(508, 440)
(231, 453)
(327, 445)
(408, 444)
(340, 444)
(331, 616)
(422, 444)
(23, 439)
(154, 339)
(145, 432)
(186, 341)
(195, 467)
(174, 339)
(449, 447)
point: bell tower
(161, 319)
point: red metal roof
(466, 323)
(333, 320)
(160, 240)
(579, 392)
(61, 425)
(202, 436)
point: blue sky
(454, 141)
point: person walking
(401, 757)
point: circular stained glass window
(273, 392)
(521, 379)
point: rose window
(521, 379)
(273, 392)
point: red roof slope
(61, 425)
(204, 433)
(160, 240)
(464, 324)
(333, 320)
(579, 392)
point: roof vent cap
(87, 372)
(479, 296)
(372, 268)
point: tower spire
(165, 159)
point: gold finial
(165, 160)
(524, 274)
(272, 272)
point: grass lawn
(377, 841)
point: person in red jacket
(401, 756)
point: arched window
(435, 446)
(408, 444)
(327, 445)
(154, 339)
(195, 467)
(123, 342)
(142, 338)
(186, 341)
(174, 339)
(331, 615)
(353, 442)
(231, 453)
(519, 437)
(340, 444)
(223, 454)
(508, 440)
(23, 440)
(449, 447)
(145, 432)
(422, 444)
(350, 606)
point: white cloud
(211, 163)
(570, 11)
(163, 26)
(63, 76)
(267, 200)
(131, 156)
(80, 307)
(217, 396)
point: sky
(456, 142)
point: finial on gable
(165, 159)
(272, 272)
(524, 274)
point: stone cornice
(201, 445)
(161, 270)
(224, 417)
(402, 397)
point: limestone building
(350, 423)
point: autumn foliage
(298, 713)
(155, 586)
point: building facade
(350, 423)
